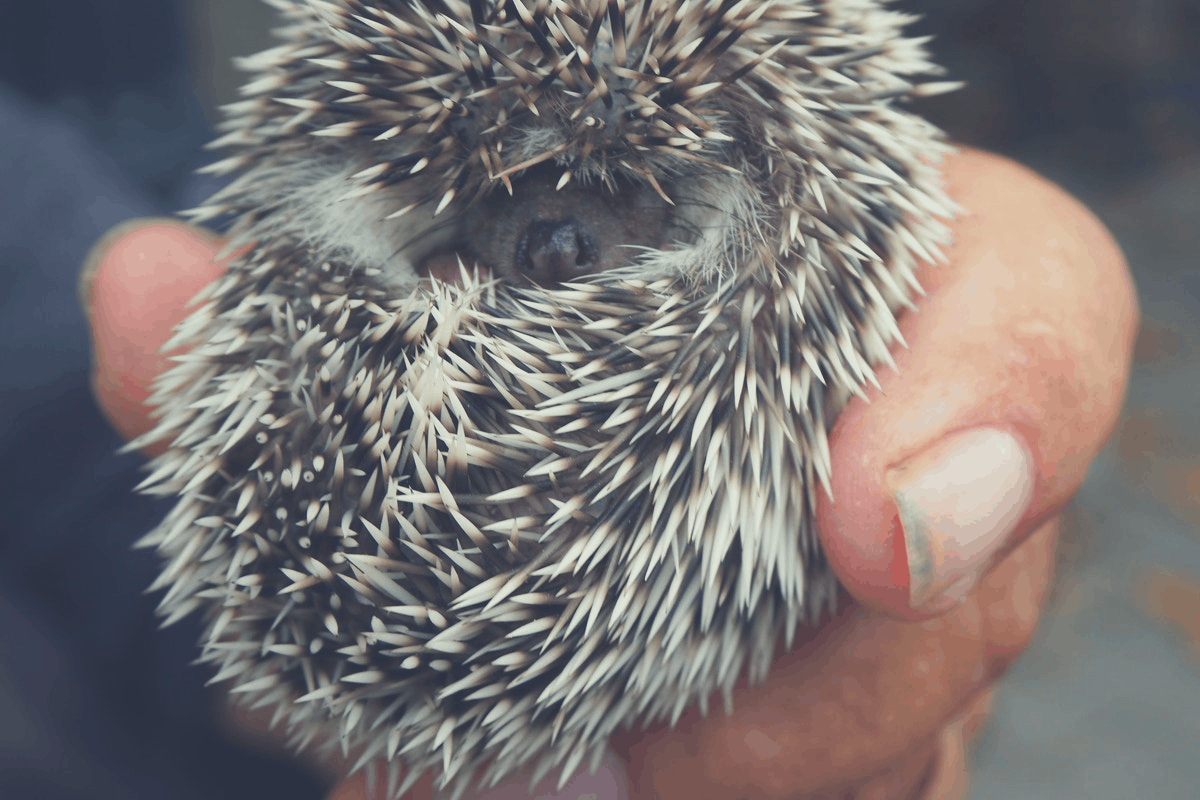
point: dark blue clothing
(95, 701)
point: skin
(1029, 327)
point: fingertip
(152, 266)
(918, 532)
(134, 288)
(872, 568)
(1018, 357)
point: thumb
(134, 288)
(1012, 380)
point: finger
(870, 706)
(855, 704)
(941, 775)
(1012, 379)
(607, 783)
(950, 777)
(137, 282)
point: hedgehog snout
(556, 250)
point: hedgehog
(504, 429)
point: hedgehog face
(546, 235)
(474, 519)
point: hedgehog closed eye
(547, 233)
(478, 524)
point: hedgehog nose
(556, 250)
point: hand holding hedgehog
(476, 526)
(1027, 328)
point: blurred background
(104, 106)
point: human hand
(1020, 348)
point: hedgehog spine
(478, 525)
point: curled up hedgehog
(504, 429)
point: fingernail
(606, 783)
(959, 502)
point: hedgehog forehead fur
(479, 526)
